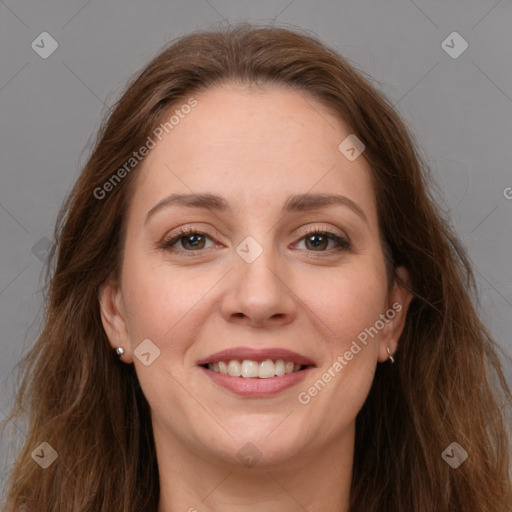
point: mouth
(256, 373)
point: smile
(249, 369)
(256, 373)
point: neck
(314, 480)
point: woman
(255, 305)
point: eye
(190, 240)
(318, 240)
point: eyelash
(166, 244)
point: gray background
(460, 110)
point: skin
(255, 147)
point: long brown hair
(447, 384)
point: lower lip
(256, 387)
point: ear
(399, 299)
(113, 317)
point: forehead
(252, 145)
(260, 122)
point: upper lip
(256, 354)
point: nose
(258, 294)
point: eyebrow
(294, 203)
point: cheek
(147, 297)
(347, 303)
(348, 306)
(160, 301)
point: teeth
(267, 369)
(249, 369)
(280, 368)
(234, 368)
(252, 369)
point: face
(251, 237)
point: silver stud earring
(391, 358)
(119, 351)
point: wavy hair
(447, 384)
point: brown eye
(195, 241)
(191, 241)
(318, 241)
